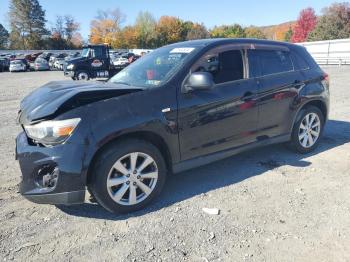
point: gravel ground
(274, 205)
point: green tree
(288, 35)
(4, 37)
(145, 27)
(27, 24)
(254, 32)
(333, 24)
(227, 31)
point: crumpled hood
(57, 97)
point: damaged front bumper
(51, 175)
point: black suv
(179, 107)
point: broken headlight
(52, 132)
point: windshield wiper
(122, 83)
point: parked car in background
(120, 62)
(31, 57)
(179, 107)
(56, 57)
(17, 66)
(59, 63)
(41, 64)
(12, 57)
(46, 55)
(72, 56)
(24, 62)
(4, 64)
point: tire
(82, 75)
(300, 137)
(117, 158)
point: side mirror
(199, 81)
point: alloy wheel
(309, 130)
(132, 178)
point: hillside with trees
(28, 28)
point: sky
(209, 12)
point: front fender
(132, 113)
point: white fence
(330, 52)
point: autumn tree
(197, 31)
(77, 40)
(4, 36)
(127, 38)
(305, 24)
(254, 32)
(106, 26)
(169, 30)
(333, 24)
(27, 24)
(227, 31)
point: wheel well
(320, 105)
(147, 136)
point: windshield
(85, 52)
(155, 68)
(16, 62)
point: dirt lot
(274, 205)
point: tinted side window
(269, 62)
(225, 66)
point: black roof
(218, 41)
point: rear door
(278, 85)
(224, 116)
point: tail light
(325, 80)
(326, 77)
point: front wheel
(82, 75)
(128, 176)
(307, 130)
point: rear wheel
(128, 176)
(307, 130)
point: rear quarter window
(299, 62)
(267, 62)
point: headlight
(70, 67)
(52, 132)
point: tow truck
(94, 62)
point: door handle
(247, 96)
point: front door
(100, 61)
(223, 117)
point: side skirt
(207, 159)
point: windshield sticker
(153, 82)
(184, 50)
